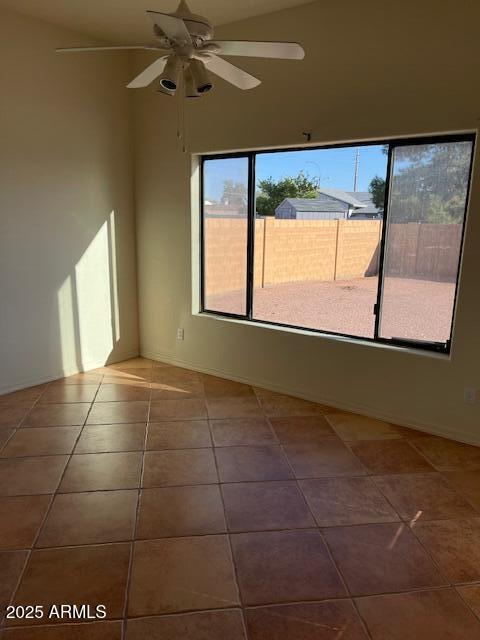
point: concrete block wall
(288, 251)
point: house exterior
(330, 204)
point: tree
(234, 193)
(377, 189)
(272, 193)
(429, 183)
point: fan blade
(114, 48)
(174, 28)
(230, 72)
(281, 50)
(149, 74)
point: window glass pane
(225, 186)
(428, 193)
(317, 237)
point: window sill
(446, 357)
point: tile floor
(197, 508)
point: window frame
(392, 143)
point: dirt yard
(420, 309)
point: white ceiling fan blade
(174, 28)
(281, 50)
(149, 74)
(230, 72)
(112, 48)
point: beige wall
(401, 68)
(67, 237)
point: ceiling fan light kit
(186, 43)
(170, 77)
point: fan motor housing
(198, 28)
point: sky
(334, 167)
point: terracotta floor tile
(182, 434)
(329, 458)
(86, 631)
(174, 375)
(132, 363)
(446, 455)
(182, 574)
(137, 374)
(177, 389)
(454, 545)
(220, 387)
(234, 407)
(284, 566)
(350, 426)
(103, 438)
(89, 377)
(168, 410)
(20, 520)
(207, 625)
(346, 501)
(329, 620)
(25, 397)
(116, 412)
(426, 615)
(467, 483)
(237, 464)
(242, 431)
(390, 456)
(179, 467)
(258, 506)
(57, 415)
(378, 558)
(283, 406)
(306, 429)
(12, 415)
(93, 575)
(41, 441)
(122, 392)
(11, 565)
(423, 496)
(180, 511)
(30, 476)
(69, 393)
(471, 595)
(89, 518)
(97, 471)
(5, 435)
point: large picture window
(360, 240)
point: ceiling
(125, 21)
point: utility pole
(355, 174)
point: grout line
(135, 526)
(465, 602)
(229, 539)
(219, 484)
(342, 579)
(47, 513)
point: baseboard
(366, 410)
(69, 371)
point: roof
(361, 201)
(313, 205)
(366, 198)
(344, 196)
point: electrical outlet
(180, 334)
(470, 395)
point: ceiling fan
(189, 51)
